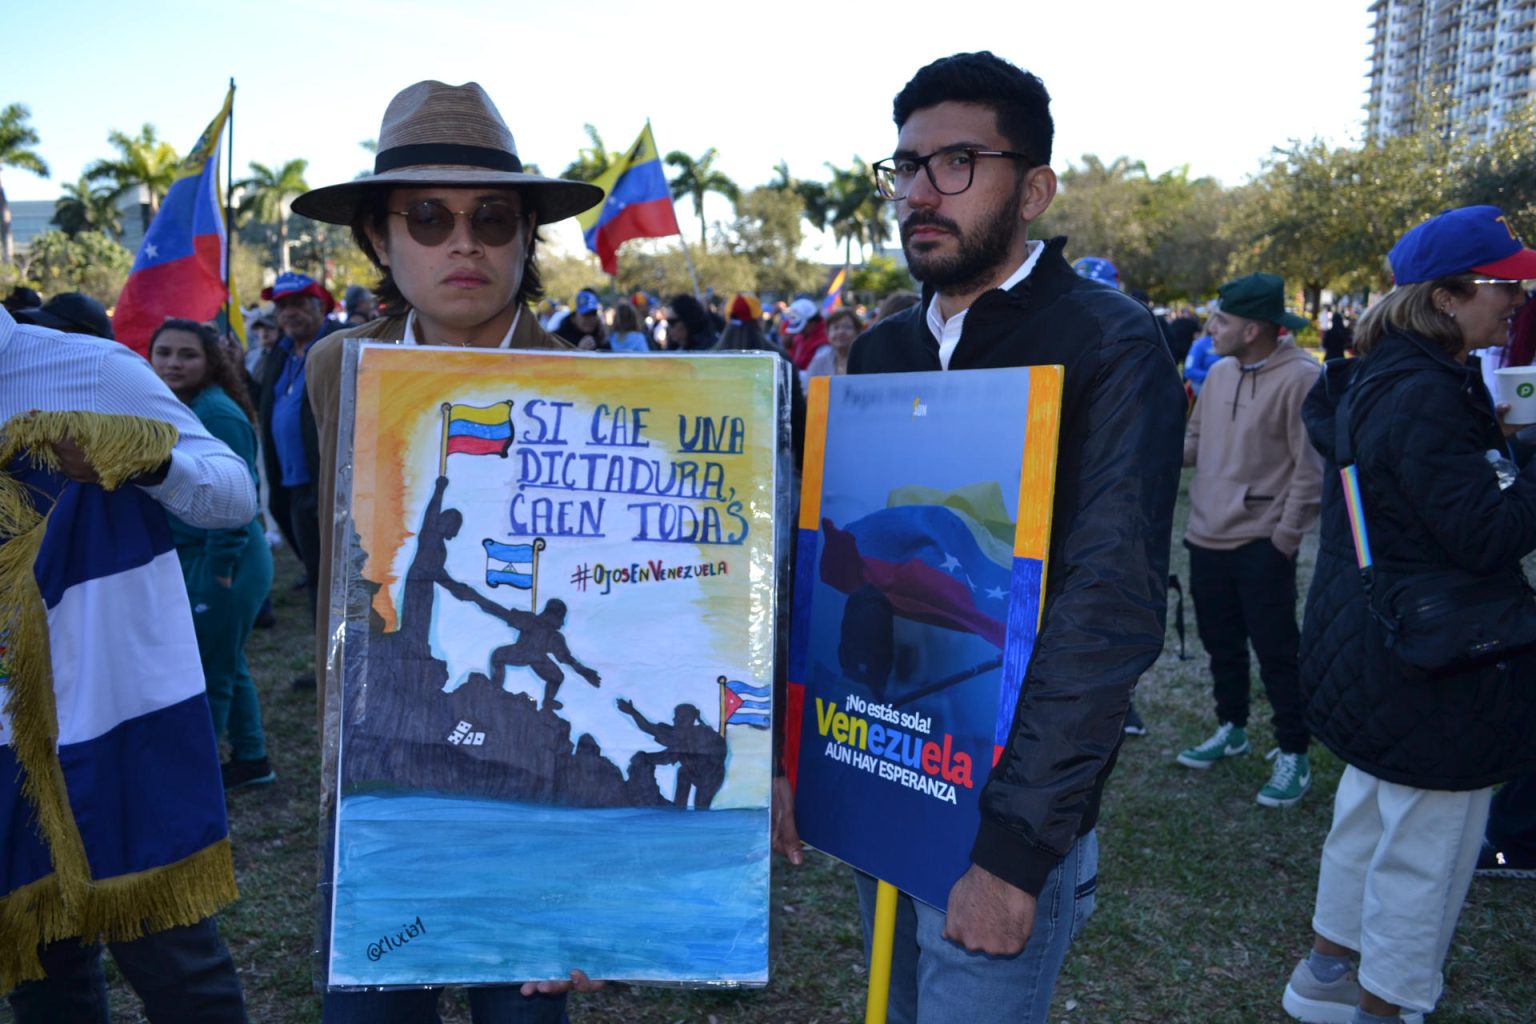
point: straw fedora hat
(436, 134)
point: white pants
(1395, 871)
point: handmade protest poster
(919, 567)
(556, 609)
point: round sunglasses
(430, 222)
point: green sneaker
(1289, 782)
(1228, 741)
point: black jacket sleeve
(1105, 609)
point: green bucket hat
(1260, 297)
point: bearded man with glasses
(970, 173)
(450, 219)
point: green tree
(90, 262)
(267, 195)
(1502, 171)
(17, 137)
(697, 177)
(879, 277)
(767, 231)
(855, 210)
(1100, 208)
(87, 207)
(143, 159)
(593, 160)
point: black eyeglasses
(430, 222)
(950, 170)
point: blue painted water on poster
(434, 890)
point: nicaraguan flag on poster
(510, 564)
(132, 778)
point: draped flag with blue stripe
(111, 799)
(746, 704)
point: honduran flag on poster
(180, 267)
(132, 771)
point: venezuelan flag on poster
(639, 204)
(476, 430)
(834, 299)
(180, 268)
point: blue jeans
(183, 976)
(935, 981)
(497, 1004)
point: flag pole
(883, 940)
(721, 681)
(533, 591)
(442, 458)
(229, 221)
(693, 273)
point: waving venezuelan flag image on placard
(919, 568)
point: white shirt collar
(412, 338)
(948, 331)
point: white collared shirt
(207, 485)
(413, 336)
(948, 331)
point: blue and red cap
(1097, 268)
(1470, 239)
(293, 283)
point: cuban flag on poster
(135, 744)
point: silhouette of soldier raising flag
(539, 644)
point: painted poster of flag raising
(551, 592)
(919, 569)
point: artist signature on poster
(415, 930)
(653, 571)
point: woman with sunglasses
(1441, 500)
(449, 218)
(228, 572)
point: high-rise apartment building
(1479, 54)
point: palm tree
(84, 207)
(695, 178)
(855, 209)
(267, 193)
(591, 161)
(143, 159)
(17, 138)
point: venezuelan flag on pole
(180, 267)
(639, 204)
(834, 299)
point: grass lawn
(1203, 907)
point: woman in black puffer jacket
(1439, 491)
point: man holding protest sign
(970, 173)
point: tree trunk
(282, 243)
(5, 228)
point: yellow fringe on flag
(69, 902)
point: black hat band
(446, 153)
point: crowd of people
(449, 222)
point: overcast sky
(1211, 84)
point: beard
(978, 253)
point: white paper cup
(1517, 389)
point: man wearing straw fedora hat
(449, 218)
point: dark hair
(373, 210)
(895, 303)
(626, 318)
(701, 329)
(220, 370)
(1018, 98)
(747, 336)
